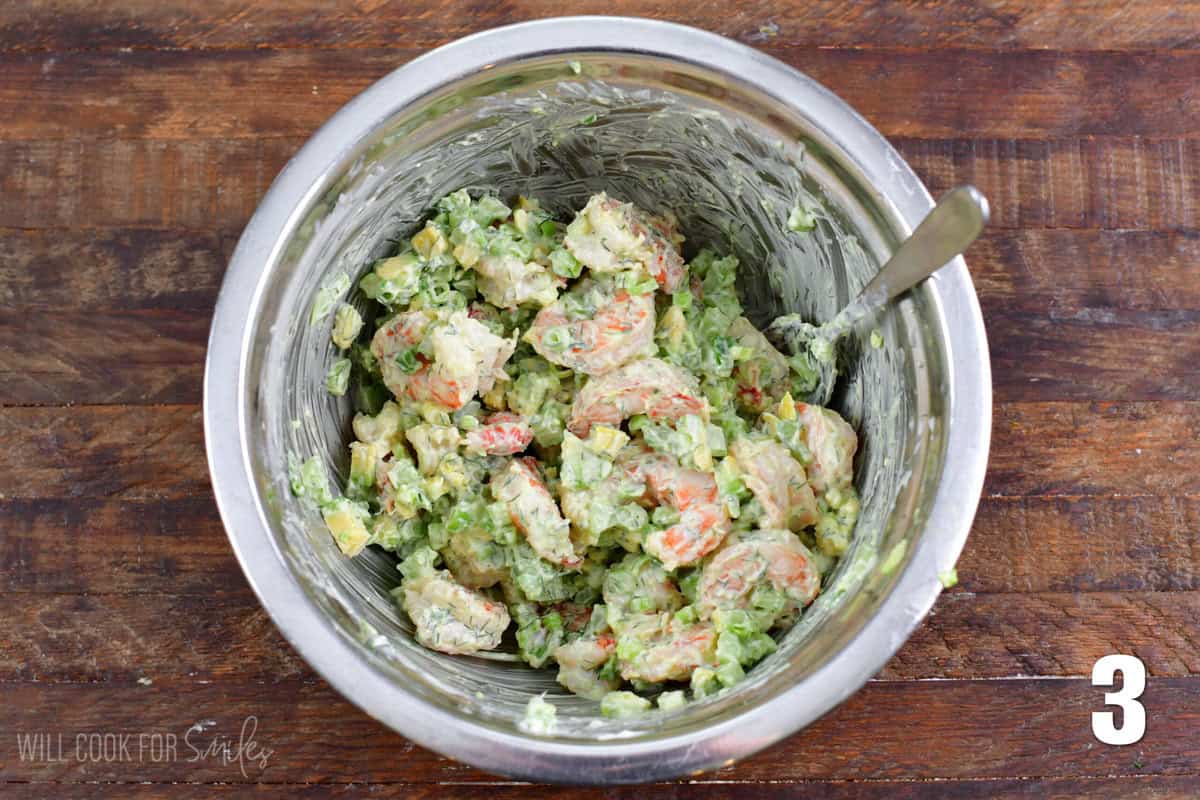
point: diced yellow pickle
(495, 398)
(521, 221)
(467, 253)
(667, 551)
(396, 267)
(345, 522)
(787, 407)
(606, 440)
(430, 242)
(347, 323)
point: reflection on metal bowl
(670, 118)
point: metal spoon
(949, 229)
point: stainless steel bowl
(669, 117)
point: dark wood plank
(1080, 315)
(1038, 94)
(983, 729)
(120, 638)
(132, 547)
(112, 270)
(1124, 788)
(201, 184)
(157, 356)
(1118, 449)
(261, 94)
(1083, 544)
(1018, 544)
(84, 357)
(123, 452)
(1003, 635)
(286, 93)
(1060, 270)
(1053, 270)
(1058, 24)
(1038, 449)
(162, 638)
(215, 184)
(1129, 787)
(1104, 182)
(1093, 354)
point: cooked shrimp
(639, 585)
(406, 373)
(618, 326)
(578, 662)
(668, 650)
(763, 377)
(646, 386)
(501, 434)
(474, 559)
(466, 358)
(778, 556)
(703, 520)
(575, 617)
(451, 618)
(699, 531)
(667, 482)
(778, 482)
(832, 442)
(507, 281)
(534, 512)
(610, 236)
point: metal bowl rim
(335, 658)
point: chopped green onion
(556, 339)
(407, 360)
(565, 265)
(337, 380)
(327, 296)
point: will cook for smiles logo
(201, 742)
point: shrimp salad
(580, 449)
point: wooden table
(136, 140)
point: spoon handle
(949, 229)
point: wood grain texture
(119, 270)
(1004, 635)
(169, 94)
(1145, 182)
(102, 638)
(1047, 270)
(1124, 788)
(1083, 544)
(1128, 787)
(1038, 449)
(100, 545)
(123, 638)
(137, 138)
(993, 729)
(1072, 314)
(1018, 544)
(123, 452)
(82, 184)
(1057, 24)
(1122, 183)
(1116, 449)
(1061, 270)
(157, 356)
(122, 357)
(1094, 354)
